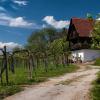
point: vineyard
(45, 55)
(20, 67)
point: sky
(19, 18)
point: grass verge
(97, 62)
(95, 92)
(7, 90)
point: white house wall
(78, 53)
(86, 54)
(90, 55)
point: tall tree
(38, 43)
(96, 35)
(89, 16)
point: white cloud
(20, 2)
(98, 19)
(54, 23)
(14, 22)
(9, 45)
(44, 26)
(14, 7)
(19, 22)
(2, 9)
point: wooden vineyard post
(29, 61)
(5, 64)
(1, 71)
(30, 65)
(45, 61)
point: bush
(96, 89)
(7, 90)
(97, 62)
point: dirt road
(73, 86)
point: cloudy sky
(18, 18)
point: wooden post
(1, 71)
(30, 65)
(5, 65)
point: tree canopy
(96, 35)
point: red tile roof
(83, 26)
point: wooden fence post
(5, 65)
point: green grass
(52, 71)
(97, 62)
(95, 93)
(39, 75)
(7, 90)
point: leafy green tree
(89, 16)
(60, 48)
(49, 43)
(38, 44)
(96, 35)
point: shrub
(97, 62)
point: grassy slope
(6, 90)
(39, 75)
(97, 62)
(96, 89)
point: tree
(38, 43)
(48, 44)
(60, 48)
(17, 48)
(96, 35)
(56, 50)
(89, 16)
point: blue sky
(19, 18)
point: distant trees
(47, 44)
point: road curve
(72, 86)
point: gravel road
(72, 86)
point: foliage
(96, 35)
(95, 93)
(89, 16)
(49, 44)
(97, 62)
(7, 90)
(16, 48)
(39, 39)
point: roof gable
(82, 26)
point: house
(80, 39)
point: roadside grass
(97, 62)
(20, 78)
(6, 90)
(95, 92)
